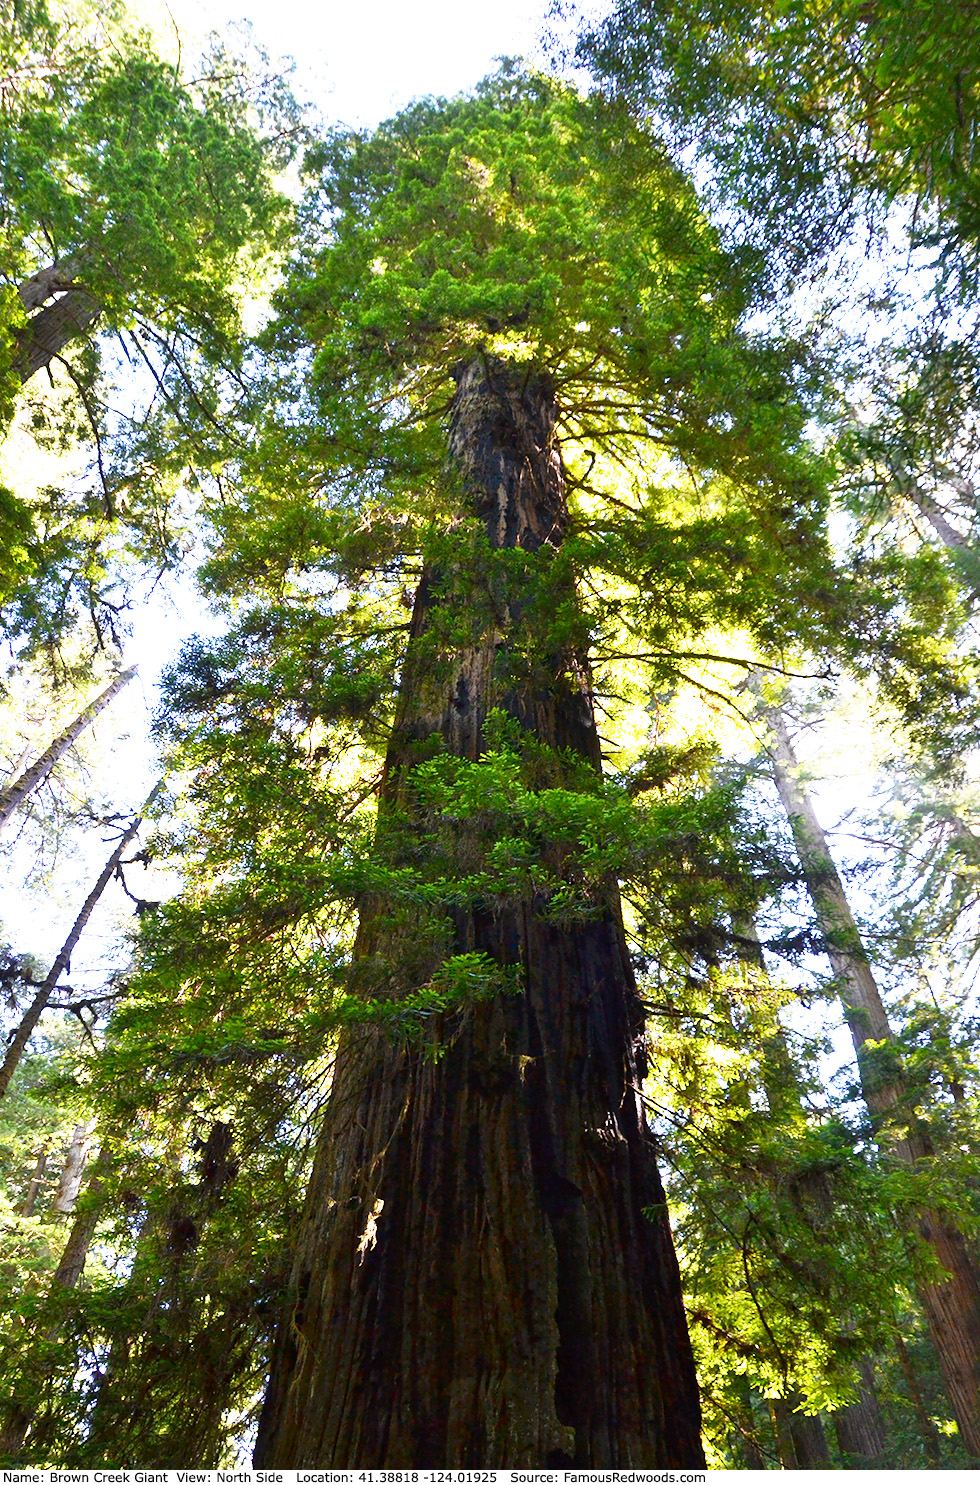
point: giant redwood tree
(515, 466)
(484, 1273)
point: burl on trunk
(485, 1274)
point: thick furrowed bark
(485, 1276)
(487, 1289)
(953, 1312)
(860, 1429)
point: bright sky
(361, 62)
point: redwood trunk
(485, 1275)
(782, 1432)
(48, 332)
(47, 282)
(745, 1437)
(809, 1440)
(952, 1308)
(860, 1429)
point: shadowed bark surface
(860, 1429)
(809, 1441)
(485, 1275)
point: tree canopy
(138, 206)
(725, 514)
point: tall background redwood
(485, 1273)
(952, 1304)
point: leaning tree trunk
(23, 1032)
(70, 316)
(933, 512)
(52, 328)
(485, 1274)
(952, 1307)
(26, 1208)
(12, 796)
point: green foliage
(152, 191)
(793, 1236)
(153, 196)
(818, 122)
(696, 502)
(808, 108)
(530, 224)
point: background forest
(736, 250)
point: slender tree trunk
(928, 1432)
(781, 1426)
(934, 514)
(49, 330)
(20, 1038)
(485, 1275)
(863, 1008)
(860, 1429)
(75, 1252)
(952, 1307)
(14, 794)
(14, 772)
(745, 1439)
(863, 1422)
(26, 1207)
(22, 1404)
(71, 1175)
